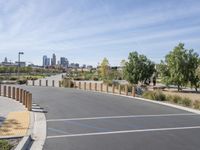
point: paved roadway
(80, 120)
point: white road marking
(115, 117)
(125, 131)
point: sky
(86, 31)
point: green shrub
(154, 95)
(148, 95)
(159, 95)
(13, 78)
(4, 145)
(196, 104)
(186, 102)
(176, 99)
(21, 81)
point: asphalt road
(81, 120)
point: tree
(104, 68)
(179, 67)
(138, 68)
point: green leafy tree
(179, 67)
(104, 68)
(138, 68)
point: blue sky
(86, 31)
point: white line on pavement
(115, 117)
(125, 131)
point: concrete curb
(151, 101)
(24, 143)
(39, 131)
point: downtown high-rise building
(46, 61)
(64, 62)
(53, 60)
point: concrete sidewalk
(14, 119)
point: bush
(186, 102)
(154, 95)
(13, 78)
(176, 99)
(160, 96)
(148, 95)
(21, 81)
(196, 104)
(4, 145)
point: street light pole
(20, 53)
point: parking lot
(85, 120)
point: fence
(18, 94)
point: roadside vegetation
(4, 145)
(160, 96)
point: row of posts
(46, 83)
(21, 95)
(107, 88)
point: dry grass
(184, 94)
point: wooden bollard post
(24, 97)
(119, 89)
(133, 91)
(29, 102)
(13, 93)
(9, 92)
(59, 83)
(95, 86)
(4, 91)
(40, 82)
(126, 89)
(107, 88)
(46, 82)
(33, 82)
(101, 87)
(90, 86)
(53, 83)
(21, 95)
(84, 85)
(17, 94)
(0, 89)
(113, 88)
(79, 85)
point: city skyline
(86, 31)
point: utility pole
(18, 72)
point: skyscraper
(53, 60)
(46, 61)
(64, 62)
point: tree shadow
(9, 125)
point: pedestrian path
(16, 124)
(14, 119)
